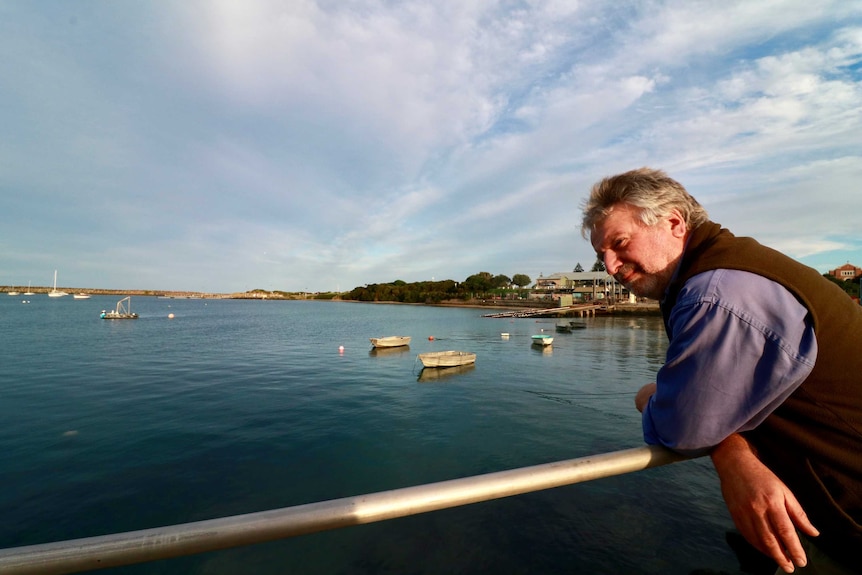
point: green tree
(849, 286)
(501, 281)
(521, 280)
(599, 266)
(479, 283)
(578, 268)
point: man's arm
(764, 510)
(740, 344)
(643, 395)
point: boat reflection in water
(384, 351)
(438, 374)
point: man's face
(642, 258)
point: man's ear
(678, 228)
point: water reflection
(440, 373)
(390, 351)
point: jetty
(577, 309)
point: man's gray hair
(652, 191)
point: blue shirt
(740, 344)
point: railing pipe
(186, 539)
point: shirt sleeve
(740, 344)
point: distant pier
(578, 309)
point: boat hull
(123, 311)
(390, 341)
(447, 358)
(542, 340)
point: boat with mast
(55, 292)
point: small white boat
(81, 296)
(28, 292)
(542, 340)
(123, 311)
(447, 358)
(390, 341)
(13, 292)
(54, 292)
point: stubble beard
(648, 285)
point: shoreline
(650, 308)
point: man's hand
(764, 510)
(643, 395)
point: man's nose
(612, 263)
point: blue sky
(223, 146)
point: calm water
(241, 406)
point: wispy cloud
(220, 146)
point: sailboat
(29, 292)
(54, 292)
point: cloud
(308, 144)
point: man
(763, 370)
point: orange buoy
(430, 338)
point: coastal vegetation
(476, 286)
(849, 286)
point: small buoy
(340, 349)
(430, 338)
(170, 316)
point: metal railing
(189, 538)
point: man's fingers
(799, 517)
(762, 535)
(787, 540)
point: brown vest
(813, 441)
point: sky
(298, 145)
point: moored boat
(55, 292)
(449, 358)
(390, 341)
(542, 340)
(123, 310)
(81, 296)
